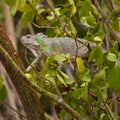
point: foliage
(3, 91)
(95, 21)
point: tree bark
(28, 97)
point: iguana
(40, 45)
(56, 45)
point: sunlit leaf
(97, 39)
(67, 79)
(73, 6)
(50, 79)
(62, 57)
(13, 10)
(28, 75)
(73, 29)
(111, 57)
(80, 65)
(91, 20)
(60, 78)
(84, 21)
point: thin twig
(106, 37)
(15, 110)
(108, 109)
(43, 26)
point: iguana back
(40, 44)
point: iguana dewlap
(40, 44)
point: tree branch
(19, 75)
(28, 97)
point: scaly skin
(40, 44)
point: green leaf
(3, 90)
(100, 79)
(13, 10)
(84, 21)
(91, 20)
(80, 65)
(95, 10)
(28, 75)
(84, 11)
(62, 57)
(73, 29)
(101, 74)
(86, 76)
(67, 79)
(25, 7)
(96, 54)
(21, 3)
(99, 55)
(111, 57)
(113, 77)
(84, 91)
(27, 17)
(81, 92)
(116, 24)
(71, 2)
(61, 77)
(1, 82)
(97, 39)
(11, 2)
(114, 13)
(76, 93)
(3, 93)
(50, 78)
(73, 6)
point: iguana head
(36, 44)
(29, 42)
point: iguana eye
(28, 36)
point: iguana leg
(37, 64)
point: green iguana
(36, 44)
(40, 45)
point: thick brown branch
(28, 97)
(21, 77)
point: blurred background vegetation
(97, 90)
